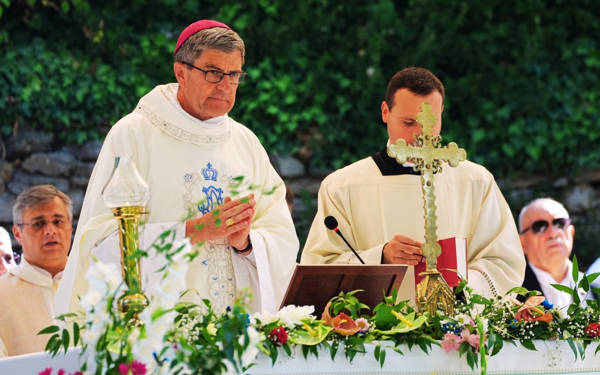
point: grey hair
(535, 202)
(36, 196)
(218, 38)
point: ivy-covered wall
(522, 76)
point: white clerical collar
(34, 274)
(405, 164)
(210, 123)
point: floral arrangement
(183, 338)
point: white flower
(290, 315)
(103, 277)
(91, 299)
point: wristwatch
(244, 250)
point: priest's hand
(230, 221)
(402, 250)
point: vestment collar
(34, 274)
(161, 108)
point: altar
(551, 357)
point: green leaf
(498, 344)
(565, 289)
(584, 284)
(519, 290)
(47, 330)
(581, 349)
(572, 346)
(402, 327)
(528, 344)
(65, 339)
(382, 358)
(333, 348)
(471, 359)
(480, 300)
(302, 337)
(75, 333)
(575, 269)
(592, 276)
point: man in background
(42, 224)
(7, 258)
(546, 235)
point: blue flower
(547, 305)
(449, 327)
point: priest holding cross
(379, 201)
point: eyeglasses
(38, 225)
(216, 76)
(540, 226)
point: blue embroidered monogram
(213, 197)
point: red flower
(278, 335)
(592, 330)
(46, 371)
(136, 368)
(61, 372)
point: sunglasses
(540, 226)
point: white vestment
(189, 165)
(371, 208)
(26, 307)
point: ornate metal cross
(428, 154)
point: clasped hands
(402, 250)
(231, 220)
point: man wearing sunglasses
(192, 154)
(42, 217)
(546, 235)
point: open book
(452, 262)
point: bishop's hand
(402, 250)
(231, 220)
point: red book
(452, 262)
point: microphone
(332, 224)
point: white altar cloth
(552, 357)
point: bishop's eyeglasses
(216, 76)
(39, 225)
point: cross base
(434, 294)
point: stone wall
(31, 158)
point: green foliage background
(522, 76)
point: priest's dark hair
(420, 81)
(217, 38)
